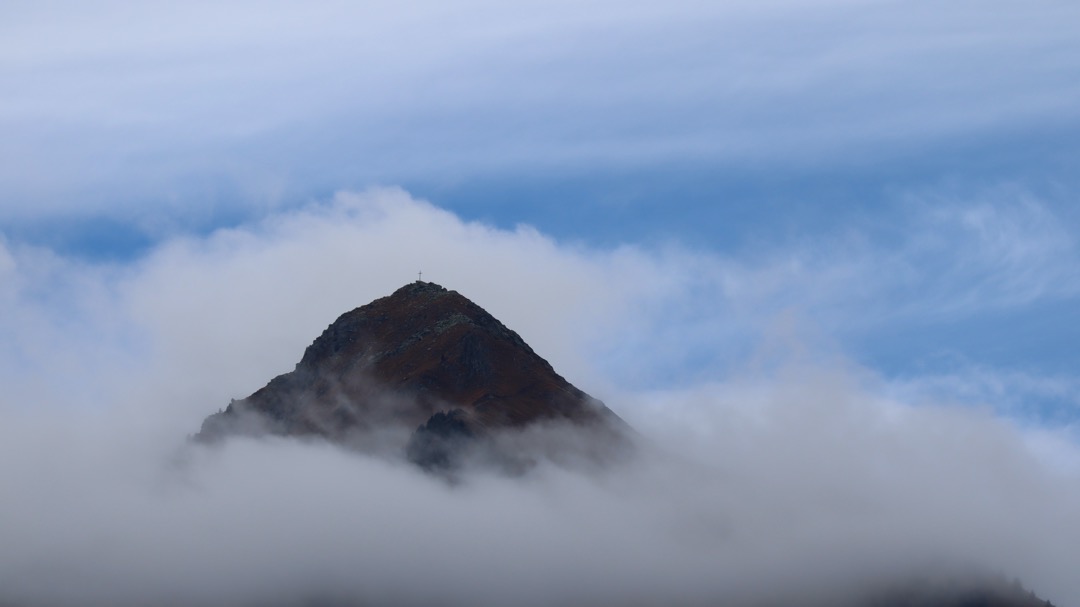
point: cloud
(947, 253)
(1039, 399)
(773, 487)
(797, 471)
(203, 314)
(250, 105)
(210, 305)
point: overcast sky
(776, 220)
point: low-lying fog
(796, 471)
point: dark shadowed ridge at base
(422, 358)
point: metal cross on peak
(419, 276)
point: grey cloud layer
(816, 485)
(749, 480)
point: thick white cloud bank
(791, 469)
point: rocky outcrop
(440, 441)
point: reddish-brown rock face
(400, 360)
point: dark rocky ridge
(403, 360)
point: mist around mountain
(802, 477)
(480, 399)
(823, 257)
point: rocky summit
(425, 359)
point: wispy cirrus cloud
(245, 105)
(942, 254)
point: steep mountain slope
(425, 358)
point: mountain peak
(417, 358)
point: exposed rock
(440, 442)
(403, 361)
